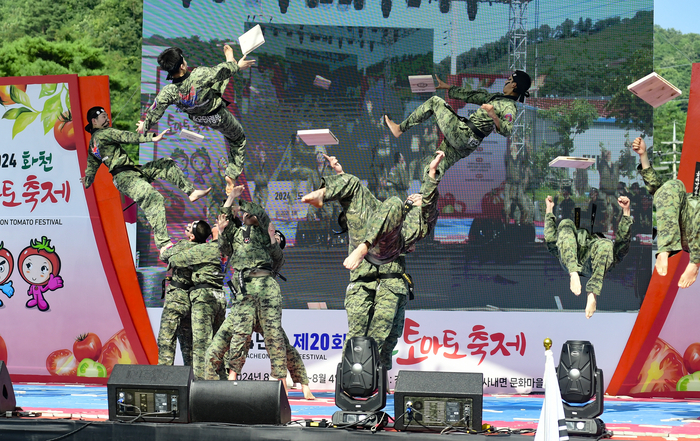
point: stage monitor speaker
(7, 392)
(157, 394)
(239, 402)
(437, 400)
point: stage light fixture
(472, 6)
(386, 8)
(413, 3)
(327, 2)
(359, 4)
(311, 3)
(361, 381)
(580, 381)
(344, 2)
(444, 6)
(284, 4)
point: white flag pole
(552, 423)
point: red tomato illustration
(661, 371)
(117, 350)
(63, 131)
(691, 358)
(62, 363)
(87, 346)
(3, 350)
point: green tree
(569, 121)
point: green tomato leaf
(19, 96)
(15, 112)
(47, 89)
(52, 109)
(22, 121)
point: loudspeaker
(7, 392)
(239, 402)
(149, 393)
(438, 399)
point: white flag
(552, 424)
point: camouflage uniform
(398, 182)
(375, 299)
(609, 177)
(460, 140)
(207, 296)
(176, 319)
(294, 363)
(427, 151)
(135, 181)
(313, 182)
(589, 255)
(198, 94)
(258, 295)
(677, 215)
(514, 192)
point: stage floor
(78, 404)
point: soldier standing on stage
(176, 319)
(516, 181)
(198, 94)
(248, 250)
(295, 365)
(463, 135)
(677, 218)
(583, 254)
(130, 179)
(206, 294)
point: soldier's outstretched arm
(623, 235)
(92, 165)
(167, 96)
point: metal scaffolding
(517, 59)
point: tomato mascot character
(6, 266)
(39, 266)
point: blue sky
(677, 14)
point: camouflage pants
(224, 122)
(175, 322)
(208, 313)
(262, 301)
(568, 246)
(514, 194)
(612, 212)
(376, 310)
(601, 256)
(670, 201)
(138, 187)
(295, 365)
(459, 141)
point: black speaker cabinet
(239, 402)
(7, 393)
(149, 393)
(438, 400)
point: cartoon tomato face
(6, 264)
(36, 269)
(38, 261)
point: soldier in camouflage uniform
(132, 180)
(295, 365)
(516, 182)
(375, 299)
(677, 218)
(427, 151)
(176, 319)
(463, 135)
(397, 180)
(583, 254)
(206, 294)
(198, 94)
(609, 172)
(248, 249)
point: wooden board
(571, 162)
(317, 137)
(654, 89)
